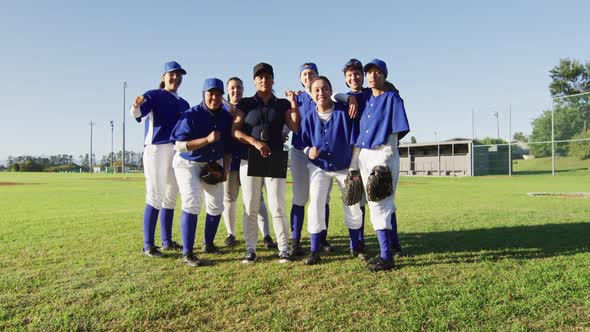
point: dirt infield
(16, 183)
(562, 195)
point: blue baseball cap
(173, 66)
(308, 65)
(377, 63)
(213, 83)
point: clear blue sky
(64, 62)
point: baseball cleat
(381, 265)
(269, 243)
(296, 249)
(398, 252)
(326, 245)
(314, 258)
(230, 241)
(173, 246)
(210, 248)
(152, 251)
(192, 260)
(250, 258)
(284, 257)
(360, 253)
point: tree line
(67, 163)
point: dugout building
(453, 157)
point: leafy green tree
(490, 141)
(580, 149)
(520, 137)
(568, 78)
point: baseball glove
(353, 188)
(212, 173)
(379, 184)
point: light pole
(124, 109)
(90, 157)
(497, 125)
(112, 152)
(435, 139)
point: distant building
(453, 157)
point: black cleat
(269, 243)
(380, 265)
(398, 252)
(250, 257)
(192, 260)
(284, 257)
(173, 246)
(360, 253)
(313, 259)
(230, 241)
(296, 249)
(210, 248)
(326, 245)
(152, 251)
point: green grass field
(482, 256)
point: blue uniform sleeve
(306, 130)
(182, 129)
(147, 106)
(400, 123)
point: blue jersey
(199, 122)
(164, 110)
(381, 116)
(334, 138)
(306, 106)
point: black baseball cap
(263, 67)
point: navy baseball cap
(213, 83)
(308, 65)
(377, 63)
(263, 67)
(173, 66)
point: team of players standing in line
(360, 130)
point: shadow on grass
(476, 245)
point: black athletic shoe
(381, 265)
(210, 248)
(313, 259)
(152, 251)
(269, 243)
(296, 249)
(360, 253)
(326, 245)
(192, 260)
(284, 257)
(250, 258)
(398, 252)
(172, 247)
(230, 241)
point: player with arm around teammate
(200, 138)
(328, 136)
(161, 109)
(382, 124)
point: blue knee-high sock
(166, 218)
(394, 239)
(150, 219)
(315, 242)
(325, 231)
(362, 229)
(384, 245)
(354, 238)
(188, 227)
(211, 225)
(297, 216)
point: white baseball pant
(160, 182)
(251, 191)
(320, 182)
(192, 188)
